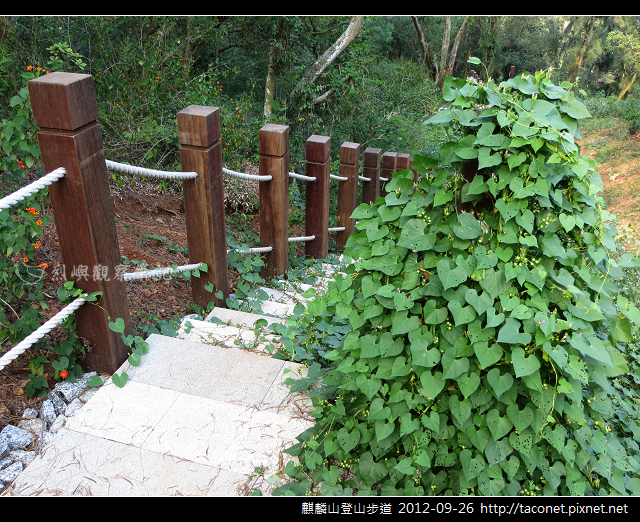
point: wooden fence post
(388, 168)
(273, 143)
(371, 170)
(347, 191)
(65, 109)
(317, 198)
(201, 152)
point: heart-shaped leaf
(521, 441)
(479, 437)
(449, 277)
(469, 227)
(504, 254)
(118, 326)
(468, 383)
(432, 421)
(120, 380)
(461, 410)
(567, 221)
(461, 315)
(433, 384)
(471, 467)
(487, 356)
(500, 383)
(480, 302)
(520, 419)
(498, 426)
(348, 440)
(384, 429)
(510, 333)
(524, 365)
(368, 386)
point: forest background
(371, 80)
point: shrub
(485, 326)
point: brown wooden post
(317, 199)
(371, 170)
(201, 152)
(513, 72)
(347, 191)
(388, 168)
(273, 144)
(65, 109)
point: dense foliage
(482, 343)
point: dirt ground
(139, 211)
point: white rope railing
(384, 179)
(337, 229)
(300, 176)
(301, 239)
(246, 176)
(30, 340)
(31, 189)
(159, 272)
(340, 178)
(259, 250)
(140, 171)
(362, 178)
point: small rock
(11, 473)
(69, 390)
(22, 456)
(83, 380)
(73, 408)
(45, 438)
(30, 413)
(16, 438)
(5, 462)
(58, 403)
(35, 426)
(57, 425)
(48, 412)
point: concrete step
(193, 419)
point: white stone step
(192, 420)
(229, 336)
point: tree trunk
(427, 59)
(448, 70)
(148, 29)
(575, 69)
(270, 86)
(443, 52)
(272, 74)
(190, 47)
(357, 22)
(627, 87)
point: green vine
(485, 329)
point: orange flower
(43, 265)
(25, 259)
(29, 67)
(39, 223)
(39, 69)
(37, 244)
(64, 374)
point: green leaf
(487, 356)
(468, 383)
(487, 160)
(500, 383)
(469, 227)
(405, 466)
(524, 365)
(402, 323)
(510, 333)
(118, 326)
(95, 382)
(450, 278)
(433, 384)
(120, 380)
(414, 238)
(498, 426)
(520, 419)
(368, 386)
(461, 315)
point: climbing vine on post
(485, 323)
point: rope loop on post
(259, 250)
(339, 178)
(140, 171)
(30, 190)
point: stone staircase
(205, 414)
